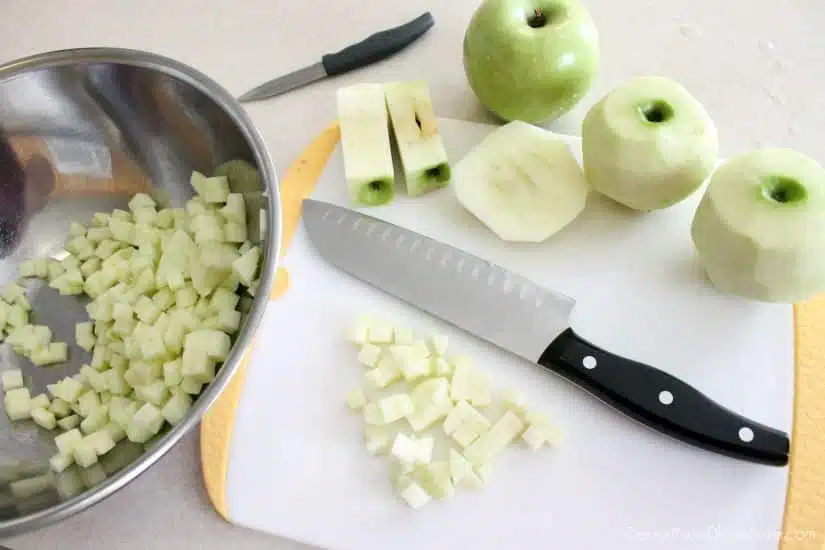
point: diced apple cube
(53, 352)
(12, 379)
(494, 441)
(246, 267)
(384, 374)
(441, 367)
(464, 436)
(67, 441)
(95, 420)
(376, 439)
(100, 441)
(146, 422)
(60, 462)
(358, 333)
(40, 401)
(172, 373)
(213, 190)
(403, 336)
(18, 404)
(70, 422)
(380, 332)
(190, 385)
(155, 393)
(84, 455)
(369, 355)
(197, 365)
(415, 368)
(405, 449)
(176, 407)
(436, 479)
(214, 343)
(356, 399)
(414, 495)
(438, 343)
(44, 418)
(395, 407)
(60, 408)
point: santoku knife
(523, 318)
(372, 49)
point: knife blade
(372, 49)
(532, 322)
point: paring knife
(523, 318)
(372, 49)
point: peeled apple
(759, 229)
(648, 144)
(522, 182)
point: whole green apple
(530, 60)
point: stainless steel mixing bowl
(81, 131)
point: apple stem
(538, 19)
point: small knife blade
(532, 322)
(372, 49)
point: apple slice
(759, 230)
(420, 146)
(648, 144)
(365, 144)
(522, 182)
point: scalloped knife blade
(532, 322)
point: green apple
(759, 230)
(648, 144)
(530, 60)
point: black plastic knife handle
(377, 46)
(663, 402)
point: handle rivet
(589, 362)
(746, 434)
(665, 397)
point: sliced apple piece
(759, 230)
(365, 144)
(420, 146)
(522, 182)
(648, 144)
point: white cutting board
(298, 468)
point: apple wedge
(365, 144)
(420, 146)
(759, 230)
(522, 182)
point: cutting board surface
(298, 468)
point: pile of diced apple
(165, 286)
(415, 396)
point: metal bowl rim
(272, 249)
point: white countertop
(753, 64)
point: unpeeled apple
(759, 230)
(530, 60)
(648, 144)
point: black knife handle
(663, 402)
(377, 46)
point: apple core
(783, 190)
(656, 111)
(375, 193)
(438, 173)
